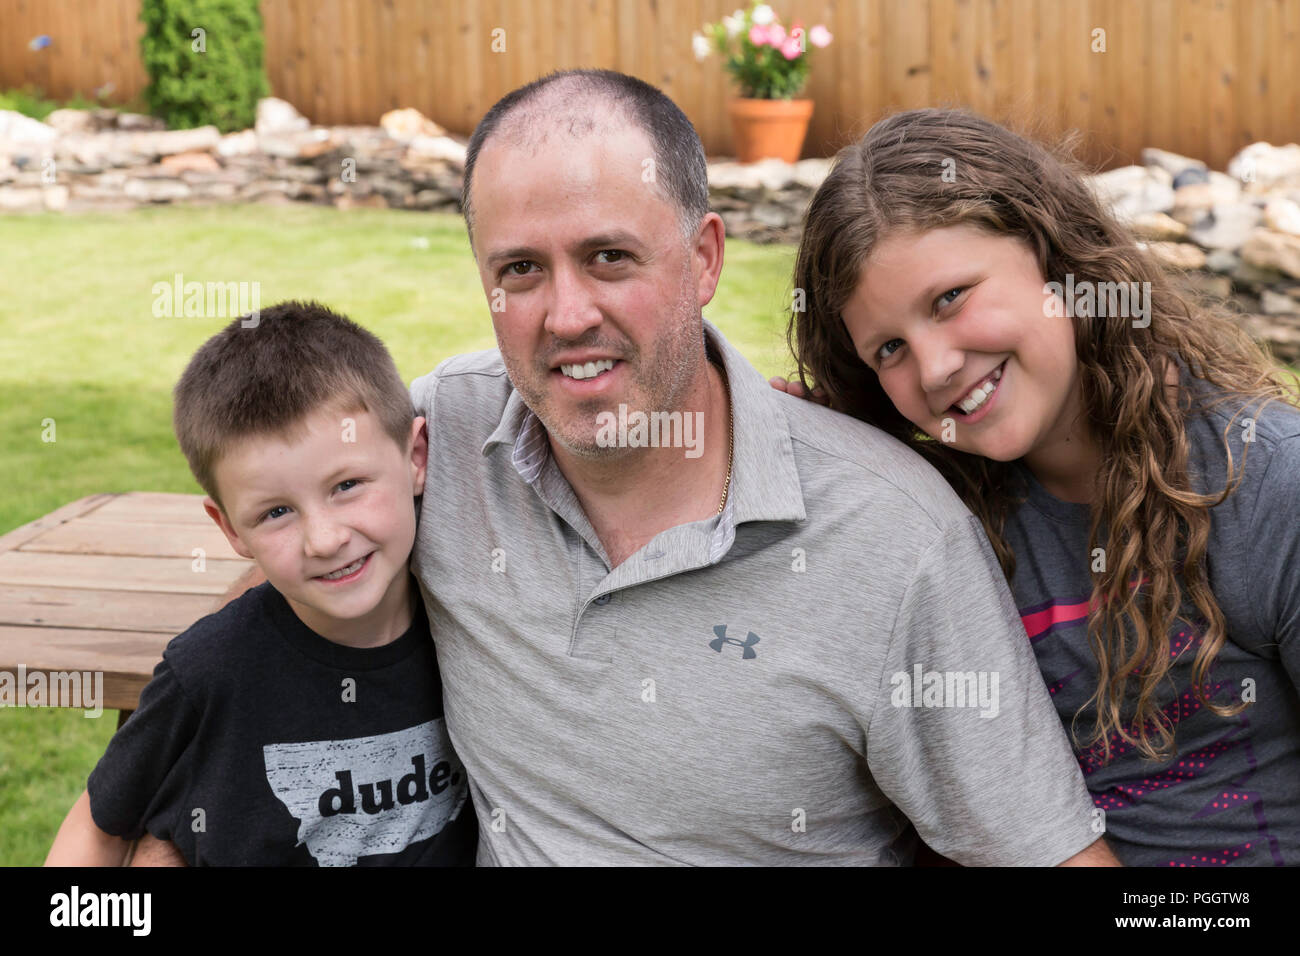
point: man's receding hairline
(535, 121)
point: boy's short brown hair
(268, 376)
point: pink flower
(776, 34)
(791, 49)
(758, 35)
(819, 36)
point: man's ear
(707, 256)
(419, 454)
(216, 514)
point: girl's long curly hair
(1156, 527)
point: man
(714, 640)
(655, 653)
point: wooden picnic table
(102, 584)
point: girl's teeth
(980, 394)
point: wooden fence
(1202, 77)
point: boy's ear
(419, 453)
(216, 514)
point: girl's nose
(937, 360)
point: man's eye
(513, 267)
(612, 252)
(885, 350)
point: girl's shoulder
(1221, 422)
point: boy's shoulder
(212, 649)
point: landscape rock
(1205, 283)
(156, 190)
(1222, 260)
(406, 124)
(1275, 303)
(139, 122)
(1172, 163)
(21, 199)
(1177, 255)
(1193, 202)
(243, 143)
(72, 121)
(1157, 227)
(1263, 166)
(201, 162)
(1226, 225)
(1189, 177)
(1131, 191)
(19, 130)
(1283, 215)
(275, 116)
(439, 148)
(1269, 249)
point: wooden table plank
(101, 585)
(33, 529)
(146, 506)
(118, 572)
(141, 539)
(154, 611)
(126, 658)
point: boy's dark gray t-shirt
(1231, 794)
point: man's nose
(938, 361)
(571, 310)
(323, 536)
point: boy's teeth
(589, 370)
(344, 572)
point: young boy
(302, 723)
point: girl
(1134, 458)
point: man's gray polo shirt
(760, 687)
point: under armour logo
(747, 644)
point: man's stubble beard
(660, 387)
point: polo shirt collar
(764, 480)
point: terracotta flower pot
(769, 129)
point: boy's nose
(323, 538)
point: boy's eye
(272, 514)
(348, 482)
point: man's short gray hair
(680, 172)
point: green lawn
(79, 344)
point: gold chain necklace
(731, 451)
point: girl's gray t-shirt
(1231, 794)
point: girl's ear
(419, 454)
(217, 515)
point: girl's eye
(350, 482)
(954, 292)
(885, 351)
